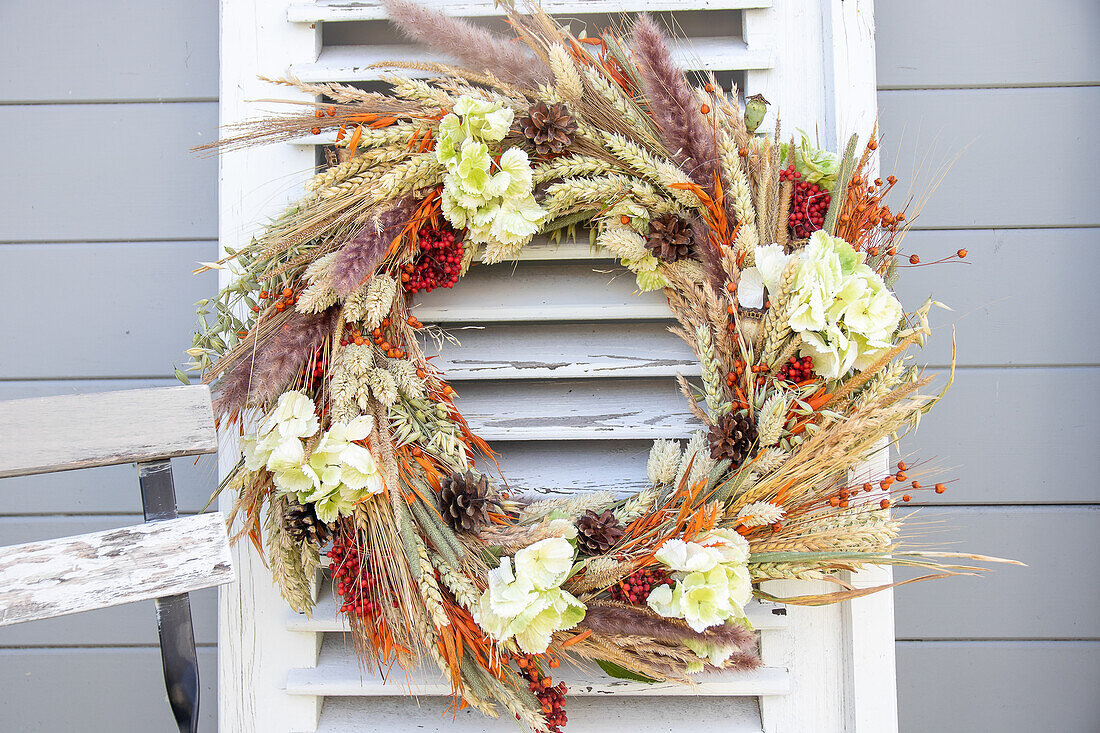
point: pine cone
(733, 438)
(301, 523)
(598, 533)
(464, 501)
(550, 127)
(669, 238)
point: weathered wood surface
(338, 672)
(358, 10)
(355, 63)
(46, 434)
(72, 574)
(594, 714)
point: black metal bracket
(177, 633)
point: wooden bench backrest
(47, 434)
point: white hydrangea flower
(687, 556)
(294, 416)
(546, 563)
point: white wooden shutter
(564, 369)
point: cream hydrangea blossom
(335, 476)
(497, 208)
(841, 307)
(712, 583)
(528, 603)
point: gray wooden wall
(104, 213)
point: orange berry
(421, 373)
(255, 309)
(902, 466)
(411, 320)
(315, 130)
(868, 487)
(385, 322)
(448, 389)
(901, 476)
(915, 484)
(405, 277)
(287, 292)
(280, 307)
(961, 253)
(709, 87)
(940, 488)
(907, 497)
(705, 109)
(358, 340)
(331, 111)
(732, 287)
(885, 504)
(914, 260)
(554, 663)
(416, 451)
(386, 346)
(834, 501)
(376, 332)
(624, 219)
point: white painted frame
(823, 80)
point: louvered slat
(325, 619)
(338, 672)
(358, 10)
(357, 63)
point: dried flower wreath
(776, 259)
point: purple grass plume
(274, 363)
(473, 47)
(361, 255)
(672, 103)
(611, 619)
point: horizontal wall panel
(1054, 597)
(1021, 296)
(940, 43)
(1010, 436)
(109, 50)
(127, 172)
(959, 687)
(304, 11)
(106, 490)
(107, 689)
(110, 309)
(130, 624)
(1022, 155)
(560, 351)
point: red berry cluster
(809, 204)
(438, 264)
(354, 579)
(315, 369)
(635, 588)
(797, 370)
(550, 696)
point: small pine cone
(598, 533)
(549, 126)
(464, 501)
(669, 238)
(734, 437)
(301, 523)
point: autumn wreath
(776, 259)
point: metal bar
(177, 633)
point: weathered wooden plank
(1055, 542)
(45, 434)
(1002, 291)
(353, 63)
(359, 10)
(925, 130)
(565, 466)
(338, 672)
(109, 568)
(95, 690)
(586, 715)
(325, 618)
(126, 625)
(1010, 436)
(962, 687)
(606, 409)
(143, 315)
(128, 174)
(563, 350)
(986, 44)
(106, 51)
